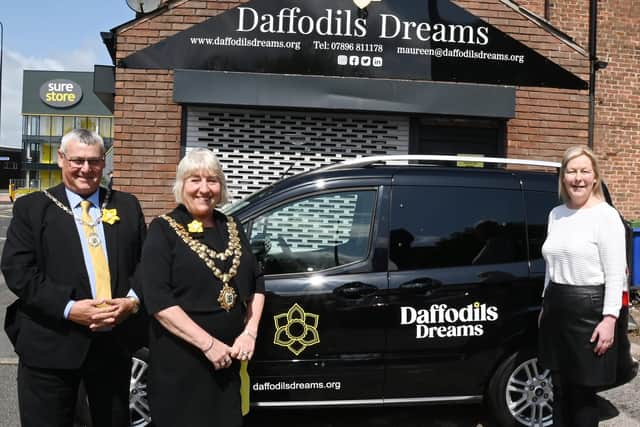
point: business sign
(433, 40)
(60, 93)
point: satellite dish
(143, 6)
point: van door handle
(422, 284)
(355, 290)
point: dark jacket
(43, 265)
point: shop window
(33, 126)
(68, 124)
(46, 153)
(92, 124)
(56, 126)
(105, 127)
(450, 136)
(33, 154)
(89, 123)
(45, 126)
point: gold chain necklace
(228, 296)
(93, 239)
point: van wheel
(138, 397)
(521, 393)
(138, 400)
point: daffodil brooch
(195, 226)
(110, 216)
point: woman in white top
(585, 275)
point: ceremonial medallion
(227, 297)
(93, 239)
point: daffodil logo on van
(60, 93)
(442, 321)
(296, 329)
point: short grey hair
(83, 136)
(199, 160)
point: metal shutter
(257, 146)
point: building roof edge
(545, 25)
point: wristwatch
(136, 304)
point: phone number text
(348, 46)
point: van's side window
(434, 227)
(314, 233)
(538, 204)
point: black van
(399, 280)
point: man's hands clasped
(98, 314)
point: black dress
(184, 389)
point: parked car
(399, 280)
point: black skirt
(570, 314)
(184, 389)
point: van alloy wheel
(529, 394)
(138, 401)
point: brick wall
(535, 6)
(148, 123)
(617, 129)
(547, 120)
(617, 107)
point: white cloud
(14, 63)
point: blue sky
(59, 35)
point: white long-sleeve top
(586, 247)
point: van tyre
(520, 392)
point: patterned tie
(98, 259)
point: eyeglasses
(78, 162)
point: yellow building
(53, 103)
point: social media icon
(365, 61)
(342, 59)
(354, 60)
(377, 61)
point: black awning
(433, 40)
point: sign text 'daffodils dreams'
(344, 23)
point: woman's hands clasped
(219, 354)
(603, 335)
(244, 345)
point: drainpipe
(594, 65)
(547, 9)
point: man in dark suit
(70, 254)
